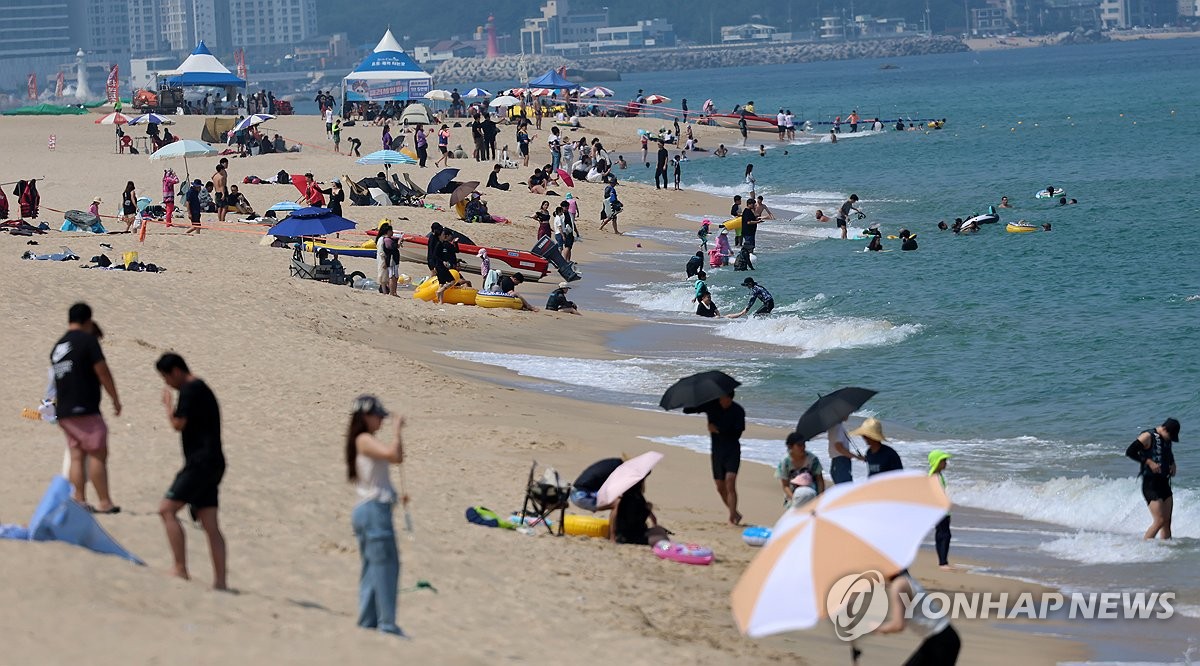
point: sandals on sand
(109, 511)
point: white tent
(385, 75)
(202, 68)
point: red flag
(240, 57)
(33, 91)
(58, 85)
(113, 85)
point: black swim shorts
(841, 222)
(726, 460)
(765, 309)
(196, 485)
(1156, 488)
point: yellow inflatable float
(427, 291)
(733, 224)
(497, 301)
(585, 526)
(1020, 228)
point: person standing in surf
(1152, 450)
(843, 214)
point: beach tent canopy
(551, 79)
(46, 110)
(387, 74)
(203, 69)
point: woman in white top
(367, 460)
(750, 179)
(940, 643)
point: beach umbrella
(385, 157)
(505, 100)
(566, 178)
(698, 389)
(477, 92)
(151, 119)
(184, 148)
(252, 120)
(285, 207)
(311, 222)
(541, 92)
(657, 99)
(873, 526)
(462, 192)
(628, 475)
(440, 180)
(114, 118)
(830, 410)
(598, 91)
(439, 95)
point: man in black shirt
(726, 422)
(749, 226)
(880, 457)
(661, 169)
(79, 371)
(432, 239)
(508, 285)
(197, 417)
(490, 130)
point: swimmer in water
(1062, 201)
(1004, 203)
(942, 225)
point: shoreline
(285, 357)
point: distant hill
(694, 20)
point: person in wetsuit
(1152, 450)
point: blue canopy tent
(201, 68)
(387, 74)
(551, 79)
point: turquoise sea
(1034, 358)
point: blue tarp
(60, 518)
(551, 79)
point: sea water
(1034, 358)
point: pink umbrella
(628, 475)
(566, 178)
(657, 99)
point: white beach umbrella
(252, 120)
(151, 119)
(598, 91)
(184, 148)
(505, 100)
(477, 92)
(657, 99)
(439, 95)
(114, 118)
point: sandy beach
(286, 357)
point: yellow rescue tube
(585, 526)
(427, 291)
(495, 301)
(1020, 228)
(733, 223)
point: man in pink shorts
(79, 371)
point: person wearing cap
(702, 233)
(196, 416)
(558, 300)
(1153, 451)
(799, 461)
(94, 209)
(880, 457)
(336, 196)
(367, 458)
(941, 533)
(194, 206)
(724, 251)
(759, 293)
(694, 263)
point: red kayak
(415, 248)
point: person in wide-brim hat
(880, 457)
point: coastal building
(832, 27)
(104, 28)
(271, 22)
(748, 32)
(146, 28)
(188, 22)
(33, 37)
(434, 52)
(866, 25)
(558, 24)
(1066, 15)
(989, 21)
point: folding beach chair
(545, 495)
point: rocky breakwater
(774, 54)
(468, 71)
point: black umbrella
(830, 410)
(440, 180)
(697, 390)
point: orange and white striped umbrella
(850, 529)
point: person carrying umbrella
(726, 423)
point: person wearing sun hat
(880, 457)
(1153, 451)
(558, 300)
(941, 533)
(94, 209)
(702, 234)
